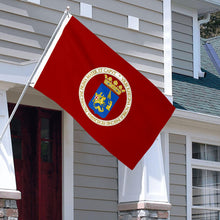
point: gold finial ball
(120, 87)
(115, 82)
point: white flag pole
(66, 13)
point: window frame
(198, 164)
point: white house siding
(177, 157)
(182, 33)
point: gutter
(195, 116)
(215, 2)
(206, 19)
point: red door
(36, 142)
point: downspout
(205, 20)
(213, 56)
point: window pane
(198, 151)
(45, 128)
(199, 177)
(206, 152)
(199, 186)
(199, 214)
(206, 190)
(213, 153)
(46, 151)
(213, 179)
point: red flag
(111, 100)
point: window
(205, 181)
(46, 140)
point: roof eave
(196, 116)
(202, 6)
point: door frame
(67, 166)
(33, 98)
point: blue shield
(103, 101)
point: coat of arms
(112, 90)
(106, 96)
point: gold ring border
(85, 80)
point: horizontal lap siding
(177, 176)
(27, 29)
(95, 179)
(182, 33)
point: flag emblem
(111, 100)
(103, 101)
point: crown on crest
(118, 89)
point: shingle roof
(199, 95)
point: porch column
(8, 191)
(143, 191)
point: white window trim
(200, 164)
(196, 36)
(189, 176)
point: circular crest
(105, 96)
